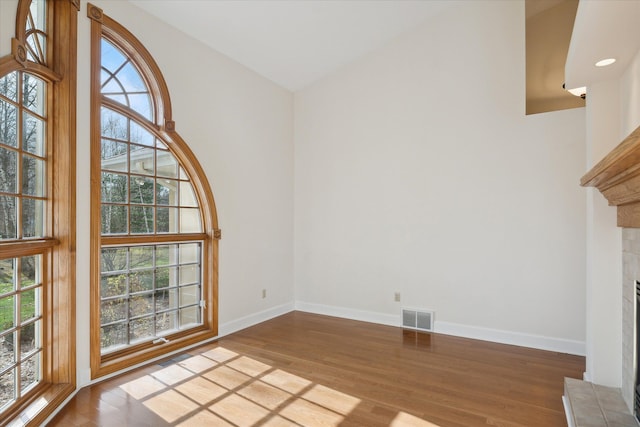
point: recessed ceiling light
(605, 62)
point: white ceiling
(602, 29)
(294, 42)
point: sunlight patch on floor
(220, 387)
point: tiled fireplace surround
(630, 273)
(617, 177)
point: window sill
(35, 410)
(117, 362)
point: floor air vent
(417, 319)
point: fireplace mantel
(617, 176)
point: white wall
(417, 171)
(604, 245)
(239, 125)
(7, 24)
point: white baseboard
(448, 328)
(349, 313)
(513, 338)
(253, 319)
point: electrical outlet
(264, 293)
(397, 297)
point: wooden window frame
(104, 364)
(58, 248)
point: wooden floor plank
(312, 370)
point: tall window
(36, 257)
(154, 232)
(23, 193)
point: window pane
(166, 255)
(142, 220)
(7, 351)
(141, 305)
(113, 335)
(8, 124)
(167, 220)
(189, 295)
(113, 310)
(141, 190)
(112, 88)
(142, 160)
(34, 135)
(141, 257)
(34, 97)
(6, 277)
(113, 259)
(114, 125)
(37, 9)
(114, 187)
(122, 99)
(187, 195)
(166, 322)
(29, 271)
(189, 253)
(189, 316)
(114, 219)
(166, 192)
(189, 274)
(166, 299)
(8, 217)
(9, 89)
(28, 334)
(144, 294)
(33, 176)
(141, 281)
(140, 135)
(7, 390)
(29, 304)
(8, 165)
(167, 164)
(166, 277)
(190, 221)
(111, 57)
(113, 286)
(7, 313)
(141, 329)
(141, 104)
(30, 372)
(114, 155)
(32, 218)
(131, 80)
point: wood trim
(96, 33)
(150, 239)
(19, 248)
(63, 193)
(53, 394)
(617, 177)
(164, 128)
(58, 250)
(617, 165)
(94, 12)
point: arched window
(37, 230)
(154, 228)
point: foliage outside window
(155, 236)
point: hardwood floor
(311, 370)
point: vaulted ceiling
(294, 43)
